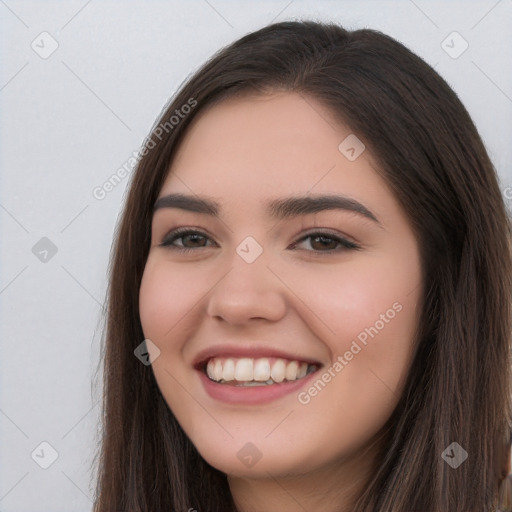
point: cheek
(166, 295)
(347, 300)
(368, 318)
(166, 301)
(154, 298)
(374, 320)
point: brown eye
(188, 237)
(327, 242)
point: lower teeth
(255, 383)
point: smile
(263, 371)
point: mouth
(255, 372)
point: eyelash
(182, 232)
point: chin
(248, 461)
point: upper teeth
(260, 370)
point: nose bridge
(248, 289)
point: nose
(247, 291)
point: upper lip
(255, 352)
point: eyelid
(326, 231)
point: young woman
(310, 292)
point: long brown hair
(432, 157)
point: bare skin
(307, 297)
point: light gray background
(69, 121)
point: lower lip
(252, 394)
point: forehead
(249, 149)
(271, 129)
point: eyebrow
(275, 208)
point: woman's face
(267, 294)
